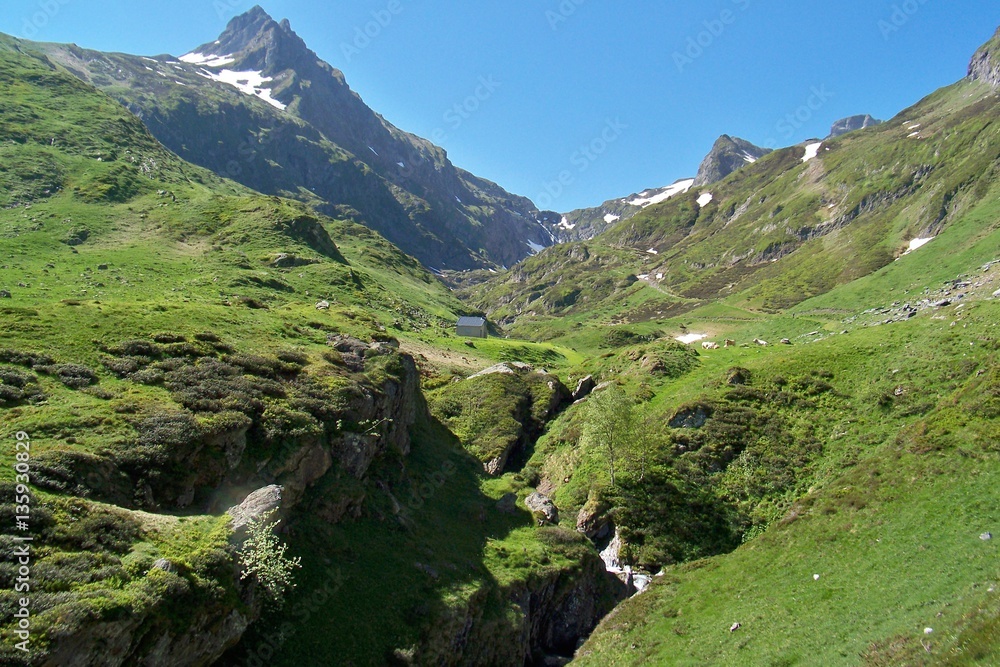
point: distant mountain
(985, 65)
(727, 155)
(852, 123)
(258, 106)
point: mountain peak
(852, 123)
(255, 41)
(985, 65)
(727, 155)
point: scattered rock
(323, 305)
(928, 631)
(734, 627)
(102, 267)
(164, 564)
(692, 416)
(287, 261)
(543, 508)
(986, 536)
(507, 367)
(4, 294)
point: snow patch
(609, 218)
(402, 164)
(248, 83)
(687, 339)
(812, 150)
(535, 248)
(376, 153)
(644, 199)
(749, 159)
(207, 60)
(917, 243)
(652, 251)
(914, 135)
(565, 224)
(705, 199)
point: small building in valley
(472, 327)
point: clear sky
(623, 95)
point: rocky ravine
(554, 608)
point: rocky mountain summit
(852, 123)
(985, 64)
(727, 155)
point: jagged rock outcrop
(985, 64)
(727, 155)
(852, 123)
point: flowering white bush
(263, 556)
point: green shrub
(75, 376)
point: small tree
(610, 426)
(263, 556)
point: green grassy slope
(775, 233)
(891, 521)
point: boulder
(164, 564)
(255, 505)
(543, 508)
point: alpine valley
(749, 418)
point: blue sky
(615, 96)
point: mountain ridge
(274, 117)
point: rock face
(852, 123)
(544, 620)
(584, 387)
(985, 65)
(301, 129)
(727, 155)
(593, 521)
